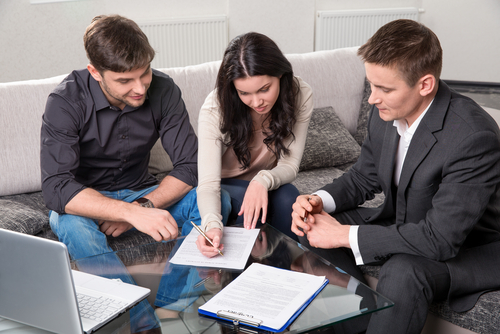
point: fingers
(264, 215)
(299, 224)
(168, 230)
(214, 234)
(299, 227)
(254, 203)
(206, 249)
(158, 223)
(114, 229)
(316, 202)
(250, 216)
(305, 202)
(296, 230)
(302, 206)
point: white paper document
(268, 296)
(238, 243)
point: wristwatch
(145, 203)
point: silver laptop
(38, 287)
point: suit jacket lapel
(422, 142)
(388, 154)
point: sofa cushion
(22, 104)
(482, 318)
(336, 78)
(159, 161)
(195, 83)
(364, 112)
(309, 181)
(328, 143)
(16, 216)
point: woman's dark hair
(248, 55)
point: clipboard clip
(238, 317)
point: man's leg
(186, 211)
(83, 239)
(343, 258)
(412, 283)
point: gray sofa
(338, 127)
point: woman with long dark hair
(251, 133)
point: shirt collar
(100, 100)
(402, 126)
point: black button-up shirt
(86, 142)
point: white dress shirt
(406, 134)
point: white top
(211, 150)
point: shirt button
(123, 137)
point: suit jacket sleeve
(448, 188)
(361, 182)
(439, 216)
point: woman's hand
(214, 234)
(254, 202)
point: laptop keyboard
(98, 308)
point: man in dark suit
(435, 155)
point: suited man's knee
(403, 273)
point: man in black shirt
(98, 128)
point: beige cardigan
(211, 149)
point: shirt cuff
(328, 201)
(210, 221)
(264, 179)
(353, 242)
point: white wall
(44, 40)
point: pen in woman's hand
(206, 237)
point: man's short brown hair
(115, 43)
(410, 47)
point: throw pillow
(364, 111)
(328, 142)
(19, 217)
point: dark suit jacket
(447, 205)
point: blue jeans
(84, 239)
(279, 208)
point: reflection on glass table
(178, 290)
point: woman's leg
(236, 189)
(280, 208)
(280, 203)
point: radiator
(187, 41)
(346, 28)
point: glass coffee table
(177, 290)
